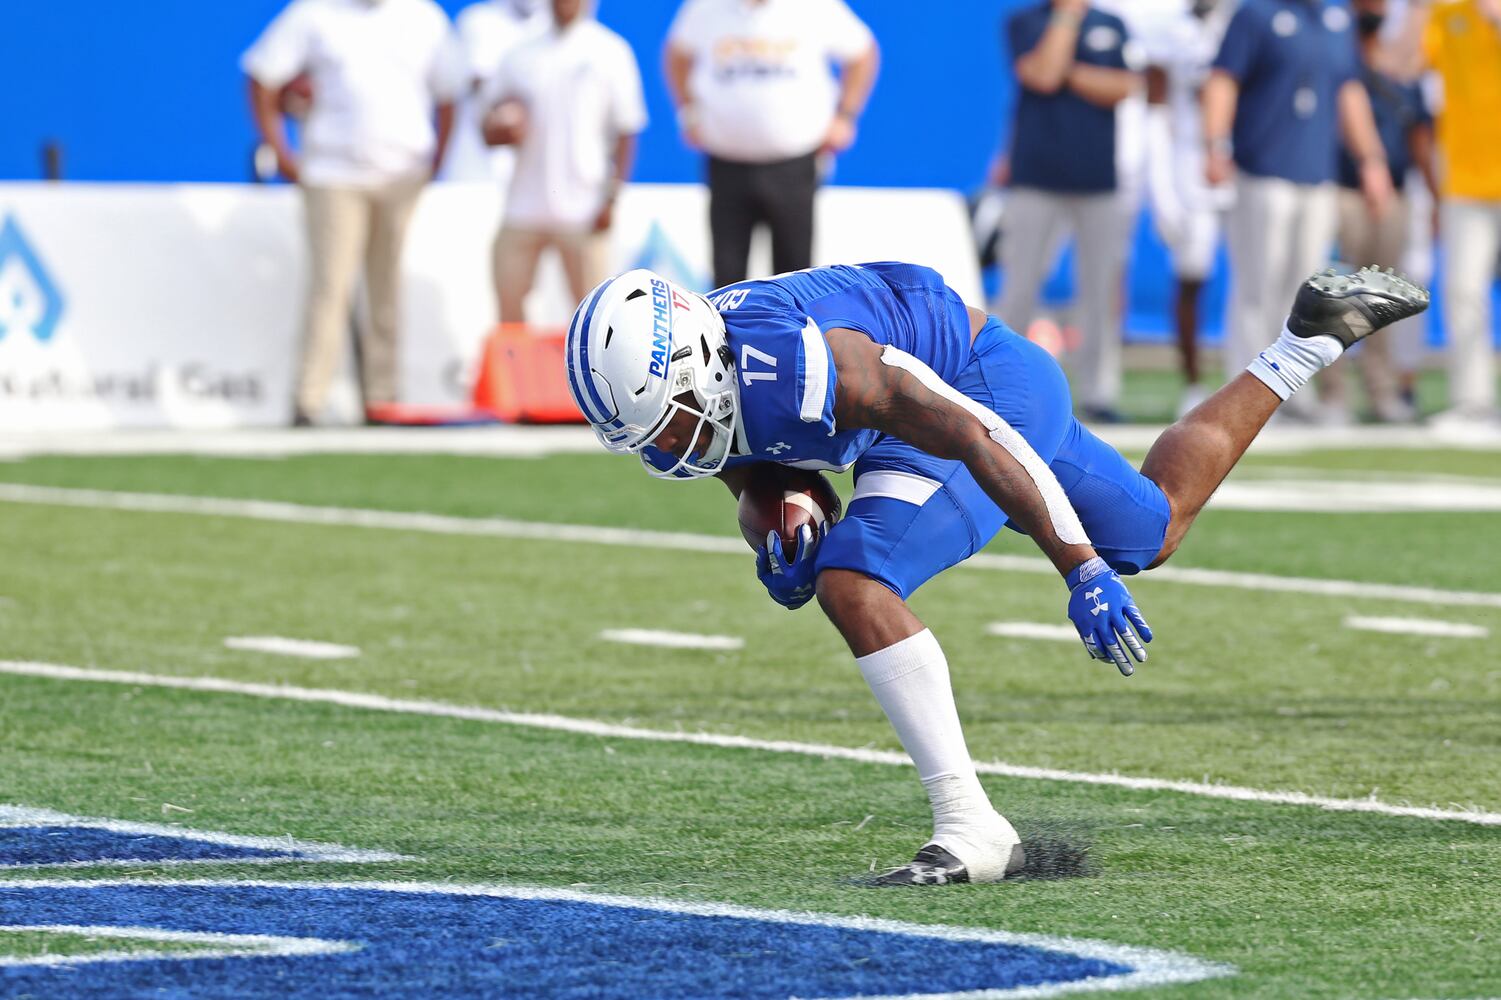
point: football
(783, 499)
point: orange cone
(522, 379)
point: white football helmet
(640, 350)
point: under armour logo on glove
(1107, 634)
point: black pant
(743, 194)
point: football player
(955, 426)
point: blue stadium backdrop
(152, 92)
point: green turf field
(1262, 689)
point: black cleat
(1352, 306)
(932, 866)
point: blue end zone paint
(63, 845)
(442, 944)
(31, 838)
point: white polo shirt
(488, 30)
(582, 89)
(378, 67)
(761, 80)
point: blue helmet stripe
(581, 381)
(576, 375)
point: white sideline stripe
(12, 816)
(268, 510)
(228, 945)
(1152, 966)
(281, 646)
(1032, 630)
(1324, 495)
(590, 727)
(516, 441)
(671, 640)
(1417, 626)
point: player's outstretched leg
(1332, 312)
(909, 675)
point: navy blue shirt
(1399, 108)
(1290, 58)
(1061, 142)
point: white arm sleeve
(1065, 520)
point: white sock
(1291, 361)
(911, 681)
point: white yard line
(380, 703)
(1417, 626)
(1258, 473)
(1032, 630)
(514, 441)
(1149, 966)
(1293, 440)
(12, 816)
(280, 646)
(1330, 495)
(291, 513)
(498, 441)
(671, 640)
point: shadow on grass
(1052, 853)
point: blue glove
(791, 584)
(1106, 616)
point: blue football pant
(913, 516)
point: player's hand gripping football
(1104, 612)
(790, 582)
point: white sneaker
(971, 853)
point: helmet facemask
(642, 352)
(702, 383)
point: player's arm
(873, 393)
(887, 390)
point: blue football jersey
(786, 374)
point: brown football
(783, 499)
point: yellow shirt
(1465, 47)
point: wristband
(1086, 571)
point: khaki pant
(518, 249)
(1472, 236)
(1366, 239)
(1036, 223)
(347, 229)
(1279, 233)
